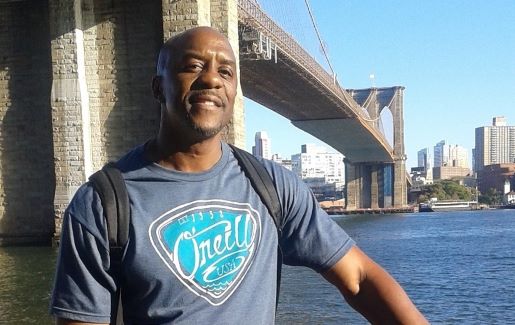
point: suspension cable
(319, 38)
(327, 56)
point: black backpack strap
(264, 186)
(262, 183)
(111, 188)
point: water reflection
(26, 275)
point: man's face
(200, 83)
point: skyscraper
(441, 151)
(494, 144)
(458, 157)
(446, 155)
(425, 160)
(263, 146)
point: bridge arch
(385, 124)
(375, 100)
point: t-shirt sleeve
(82, 286)
(309, 236)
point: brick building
(450, 172)
(499, 176)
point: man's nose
(210, 78)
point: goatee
(205, 132)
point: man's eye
(226, 72)
(193, 67)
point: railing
(250, 13)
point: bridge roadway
(277, 73)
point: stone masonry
(78, 95)
(27, 179)
(365, 181)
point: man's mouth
(206, 100)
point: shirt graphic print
(208, 245)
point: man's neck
(192, 158)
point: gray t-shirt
(202, 246)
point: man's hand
(371, 291)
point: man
(202, 246)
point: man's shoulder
(133, 160)
(86, 209)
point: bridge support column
(358, 186)
(70, 103)
(26, 150)
(365, 186)
(181, 15)
(374, 186)
(400, 188)
(103, 59)
(352, 186)
(381, 187)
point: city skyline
(457, 63)
(256, 144)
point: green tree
(491, 197)
(446, 190)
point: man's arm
(371, 291)
(62, 321)
(82, 284)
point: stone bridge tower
(378, 184)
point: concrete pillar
(26, 154)
(400, 188)
(388, 185)
(374, 187)
(402, 193)
(103, 59)
(121, 42)
(179, 16)
(399, 170)
(381, 186)
(224, 17)
(352, 186)
(366, 183)
(70, 102)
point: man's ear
(157, 89)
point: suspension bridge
(278, 72)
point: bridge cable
(319, 38)
(328, 61)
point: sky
(456, 60)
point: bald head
(173, 46)
(196, 83)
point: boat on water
(445, 206)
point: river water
(458, 268)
